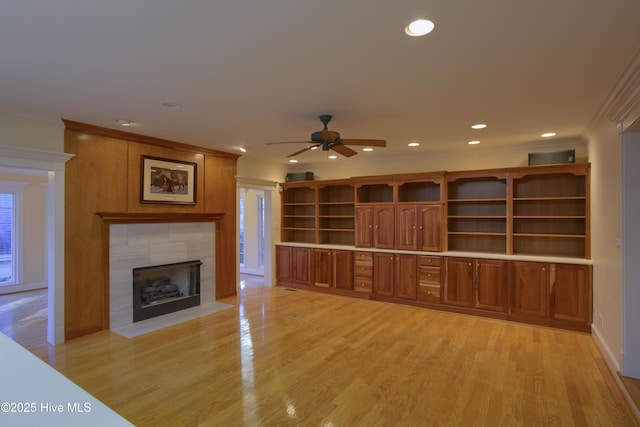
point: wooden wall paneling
(104, 176)
(94, 181)
(220, 196)
(136, 150)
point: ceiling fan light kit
(331, 140)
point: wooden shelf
(524, 210)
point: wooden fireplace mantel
(146, 217)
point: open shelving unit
(550, 213)
(299, 215)
(336, 214)
(534, 210)
(477, 213)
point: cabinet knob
(428, 292)
(543, 269)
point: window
(242, 194)
(7, 238)
(261, 229)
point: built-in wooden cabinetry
(400, 212)
(395, 275)
(550, 213)
(318, 212)
(477, 283)
(363, 272)
(507, 243)
(477, 212)
(333, 268)
(556, 292)
(429, 279)
(293, 265)
(299, 214)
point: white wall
(471, 158)
(255, 167)
(606, 199)
(29, 132)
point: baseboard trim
(614, 367)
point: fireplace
(163, 289)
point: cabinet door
(383, 274)
(491, 284)
(530, 291)
(459, 289)
(406, 276)
(383, 227)
(322, 267)
(406, 231)
(343, 269)
(301, 258)
(283, 264)
(571, 292)
(364, 226)
(429, 228)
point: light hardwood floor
(283, 357)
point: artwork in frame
(167, 181)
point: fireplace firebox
(163, 289)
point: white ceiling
(249, 72)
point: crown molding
(30, 158)
(128, 136)
(622, 105)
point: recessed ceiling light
(419, 27)
(244, 150)
(367, 149)
(548, 134)
(293, 161)
(124, 122)
(173, 105)
(413, 144)
(479, 126)
(473, 142)
(315, 147)
(332, 156)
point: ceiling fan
(330, 140)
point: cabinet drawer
(363, 270)
(429, 293)
(429, 261)
(429, 275)
(363, 284)
(363, 258)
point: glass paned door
(7, 239)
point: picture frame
(167, 181)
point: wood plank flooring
(283, 357)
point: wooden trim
(134, 137)
(137, 218)
(109, 218)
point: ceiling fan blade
(345, 151)
(310, 147)
(367, 142)
(289, 142)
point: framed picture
(167, 181)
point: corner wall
(604, 150)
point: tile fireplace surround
(146, 244)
